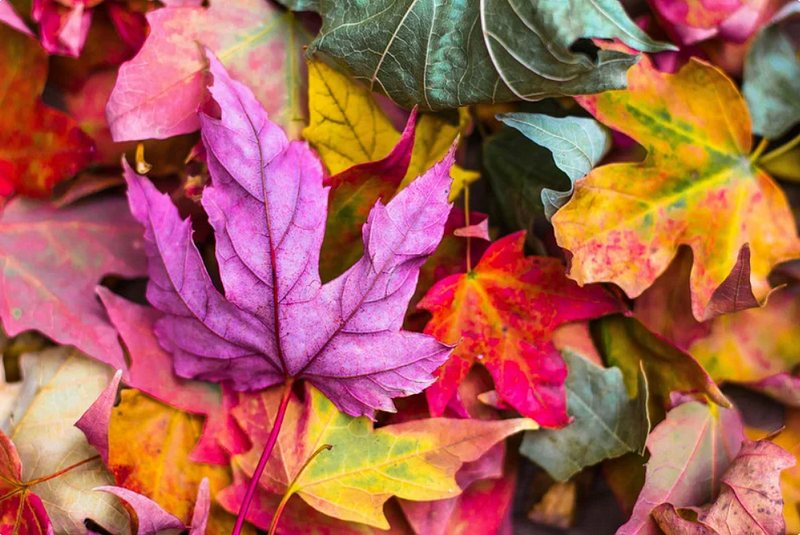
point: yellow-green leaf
(416, 460)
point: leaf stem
(142, 167)
(293, 488)
(262, 462)
(762, 146)
(466, 223)
(783, 149)
(33, 482)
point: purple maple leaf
(276, 321)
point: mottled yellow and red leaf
(149, 446)
(753, 345)
(697, 186)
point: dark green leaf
(518, 171)
(441, 55)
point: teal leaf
(300, 5)
(607, 423)
(518, 171)
(441, 55)
(772, 78)
(577, 144)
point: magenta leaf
(63, 29)
(94, 422)
(479, 231)
(201, 508)
(276, 321)
(152, 517)
(10, 17)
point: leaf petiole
(780, 151)
(466, 223)
(60, 472)
(262, 462)
(762, 146)
(293, 488)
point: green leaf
(607, 422)
(441, 55)
(577, 144)
(772, 78)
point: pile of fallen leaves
(399, 266)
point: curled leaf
(95, 421)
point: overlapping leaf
(52, 259)
(789, 439)
(42, 428)
(152, 519)
(451, 55)
(353, 193)
(606, 422)
(151, 372)
(348, 127)
(10, 17)
(21, 510)
(772, 78)
(158, 92)
(753, 344)
(95, 421)
(150, 516)
(697, 187)
(517, 183)
(482, 508)
(665, 308)
(629, 345)
(697, 13)
(689, 452)
(697, 20)
(267, 206)
(502, 315)
(65, 25)
(577, 145)
(415, 460)
(298, 517)
(486, 483)
(149, 455)
(750, 498)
